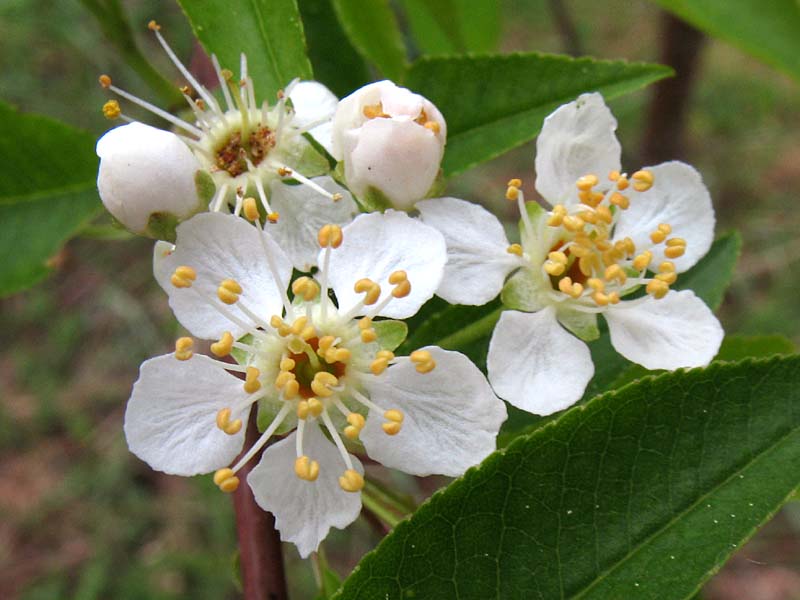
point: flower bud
(147, 179)
(391, 141)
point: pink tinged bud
(144, 170)
(389, 139)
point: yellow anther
(618, 199)
(587, 182)
(629, 246)
(661, 233)
(351, 481)
(615, 272)
(183, 277)
(200, 103)
(604, 214)
(666, 267)
(226, 481)
(423, 360)
(250, 209)
(433, 126)
(391, 428)
(579, 250)
(398, 277)
(287, 364)
(668, 278)
(224, 346)
(557, 215)
(228, 291)
(302, 409)
(394, 415)
(512, 193)
(111, 110)
(373, 111)
(671, 243)
(600, 298)
(573, 223)
(589, 217)
(305, 287)
(341, 355)
(273, 217)
(325, 342)
(365, 323)
(642, 180)
(306, 469)
(387, 354)
(641, 262)
(368, 287)
(588, 264)
(622, 183)
(299, 324)
(368, 336)
(251, 382)
(665, 228)
(153, 26)
(571, 289)
(596, 284)
(378, 366)
(675, 248)
(613, 297)
(323, 382)
(356, 420)
(315, 407)
(558, 257)
(514, 183)
(402, 289)
(514, 249)
(283, 378)
(330, 236)
(553, 268)
(276, 322)
(613, 175)
(284, 172)
(336, 197)
(351, 433)
(291, 389)
(183, 348)
(225, 424)
(657, 288)
(105, 81)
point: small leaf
(454, 26)
(391, 333)
(494, 103)
(269, 32)
(767, 30)
(642, 493)
(373, 31)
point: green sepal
(205, 186)
(522, 292)
(161, 226)
(242, 356)
(438, 186)
(391, 333)
(374, 200)
(268, 409)
(582, 325)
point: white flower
(607, 236)
(232, 149)
(390, 141)
(316, 366)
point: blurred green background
(83, 518)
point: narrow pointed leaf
(268, 31)
(494, 103)
(642, 493)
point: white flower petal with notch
(304, 510)
(451, 416)
(170, 420)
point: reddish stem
(260, 553)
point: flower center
(233, 155)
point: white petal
(374, 246)
(451, 416)
(678, 197)
(144, 170)
(302, 212)
(305, 510)
(535, 364)
(577, 139)
(678, 330)
(170, 422)
(314, 103)
(222, 247)
(477, 257)
(399, 158)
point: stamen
(222, 83)
(395, 418)
(306, 469)
(351, 481)
(661, 233)
(675, 248)
(225, 424)
(381, 362)
(330, 236)
(370, 289)
(306, 288)
(183, 348)
(514, 249)
(111, 110)
(226, 480)
(657, 288)
(423, 360)
(323, 382)
(642, 180)
(276, 422)
(251, 382)
(641, 262)
(399, 279)
(228, 291)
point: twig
(261, 558)
(566, 28)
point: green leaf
(642, 493)
(268, 31)
(47, 193)
(494, 103)
(373, 31)
(767, 30)
(336, 63)
(454, 26)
